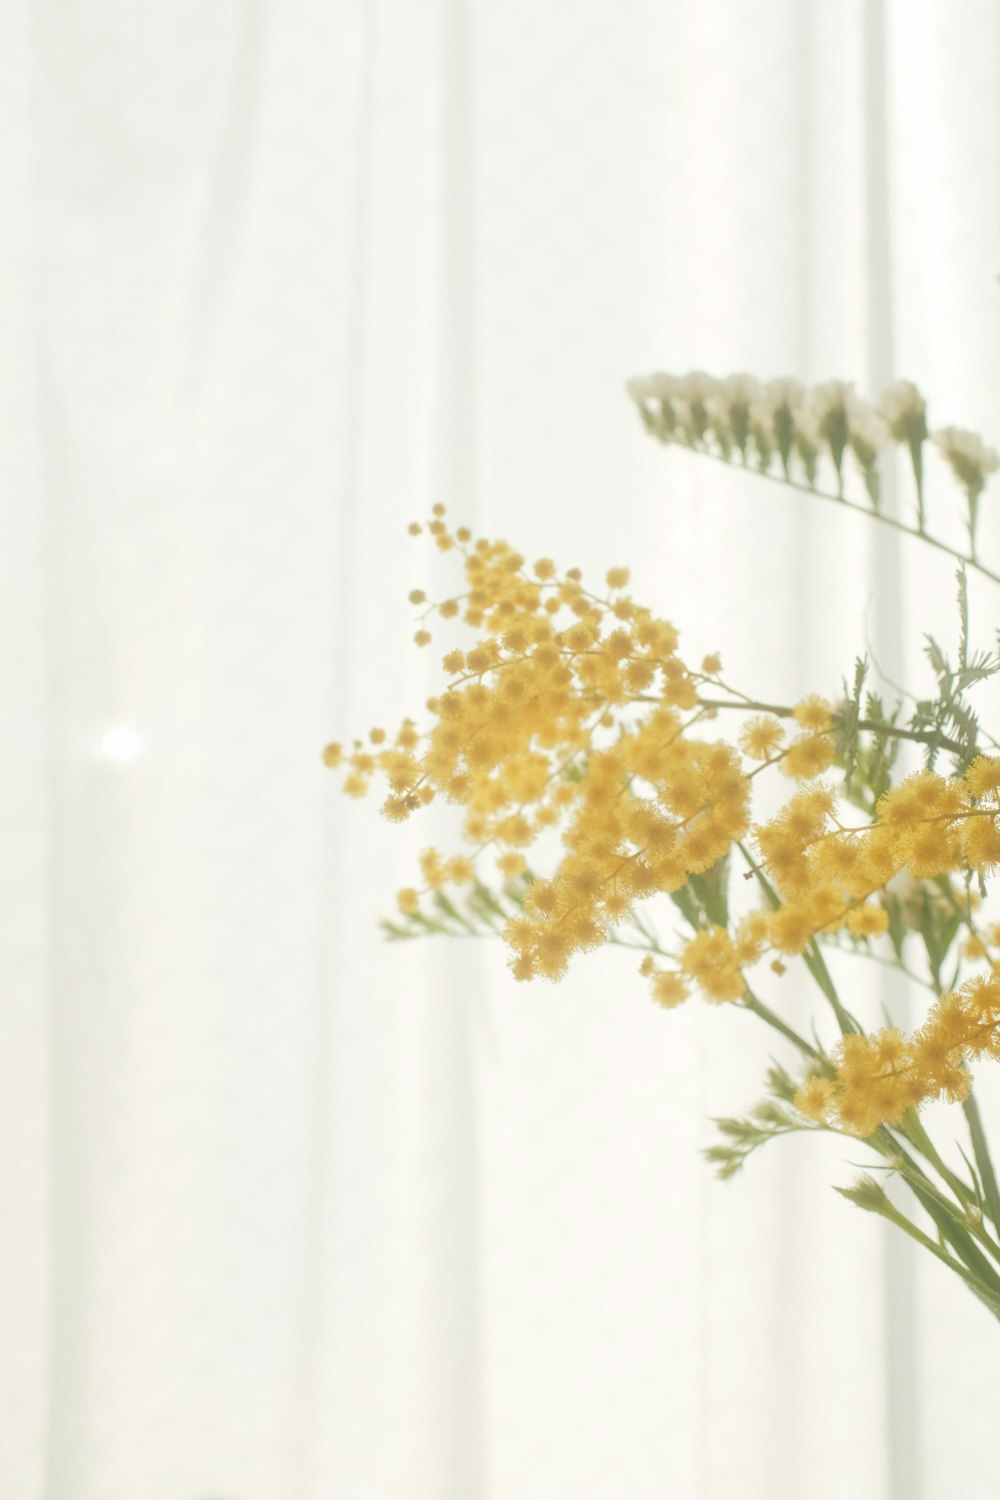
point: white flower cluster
(905, 411)
(763, 420)
(970, 459)
(782, 418)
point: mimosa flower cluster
(880, 1076)
(573, 712)
(574, 725)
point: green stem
(966, 1194)
(812, 957)
(973, 518)
(753, 1003)
(896, 964)
(783, 711)
(816, 964)
(983, 1160)
(864, 510)
(971, 1223)
(985, 1290)
(944, 1216)
(913, 1129)
(917, 455)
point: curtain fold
(290, 1213)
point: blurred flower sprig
(795, 433)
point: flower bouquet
(605, 783)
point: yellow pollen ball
(814, 713)
(867, 921)
(761, 738)
(808, 756)
(983, 776)
(669, 989)
(396, 809)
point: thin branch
(875, 726)
(787, 482)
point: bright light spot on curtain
(120, 743)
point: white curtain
(289, 1213)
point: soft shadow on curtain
(290, 1214)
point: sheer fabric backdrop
(289, 1214)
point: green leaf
(686, 901)
(483, 898)
(780, 1082)
(963, 616)
(711, 890)
(448, 909)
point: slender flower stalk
(972, 463)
